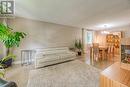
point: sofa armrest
(4, 83)
(10, 84)
(71, 52)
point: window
(89, 37)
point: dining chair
(96, 51)
(111, 52)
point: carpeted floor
(69, 74)
(18, 74)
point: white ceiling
(92, 14)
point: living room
(80, 42)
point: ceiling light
(105, 26)
(105, 32)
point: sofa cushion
(49, 57)
(52, 57)
(48, 53)
(66, 55)
(54, 52)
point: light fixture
(102, 26)
(105, 32)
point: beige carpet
(18, 74)
(69, 74)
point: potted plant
(78, 46)
(3, 66)
(10, 39)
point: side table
(27, 56)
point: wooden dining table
(103, 51)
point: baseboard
(17, 62)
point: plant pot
(8, 63)
(79, 53)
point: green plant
(2, 72)
(2, 66)
(78, 45)
(2, 60)
(10, 38)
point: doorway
(88, 40)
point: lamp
(105, 32)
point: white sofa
(51, 56)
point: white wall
(43, 34)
